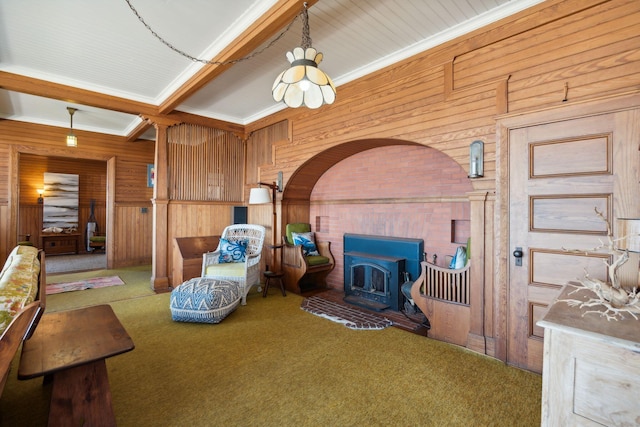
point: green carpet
(137, 284)
(272, 364)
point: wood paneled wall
(192, 219)
(555, 54)
(126, 181)
(260, 149)
(92, 179)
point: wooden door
(559, 174)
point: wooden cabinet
(187, 256)
(60, 243)
(591, 367)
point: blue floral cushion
(232, 251)
(307, 241)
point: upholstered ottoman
(204, 300)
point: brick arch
(406, 190)
(302, 181)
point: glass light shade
(72, 140)
(304, 83)
(630, 230)
(476, 159)
(259, 196)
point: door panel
(559, 173)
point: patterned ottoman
(204, 300)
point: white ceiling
(100, 45)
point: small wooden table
(275, 276)
(71, 348)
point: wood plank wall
(556, 53)
(92, 178)
(450, 95)
(261, 146)
(131, 241)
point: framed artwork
(60, 207)
(151, 175)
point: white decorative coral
(614, 301)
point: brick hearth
(411, 323)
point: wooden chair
(304, 273)
(97, 243)
(246, 273)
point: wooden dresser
(591, 368)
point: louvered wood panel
(205, 164)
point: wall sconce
(476, 159)
(72, 140)
(40, 193)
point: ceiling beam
(60, 92)
(138, 131)
(281, 14)
(195, 119)
(37, 87)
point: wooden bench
(70, 348)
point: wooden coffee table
(70, 347)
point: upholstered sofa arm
(22, 302)
(18, 282)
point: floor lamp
(261, 196)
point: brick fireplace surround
(402, 191)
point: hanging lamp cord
(305, 30)
(306, 38)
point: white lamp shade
(259, 196)
(72, 140)
(304, 83)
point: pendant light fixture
(72, 140)
(304, 83)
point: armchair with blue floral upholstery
(305, 261)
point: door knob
(518, 255)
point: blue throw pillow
(307, 241)
(232, 251)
